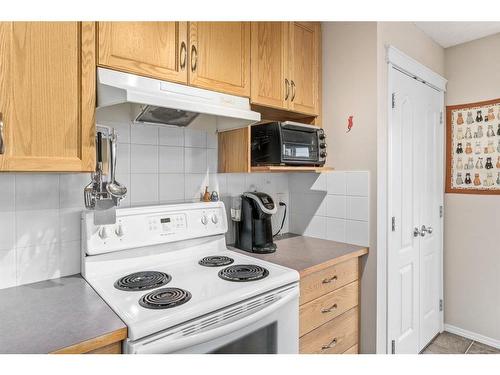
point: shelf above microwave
(290, 168)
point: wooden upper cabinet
(153, 49)
(270, 85)
(304, 66)
(220, 56)
(47, 96)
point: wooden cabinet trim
(234, 151)
(96, 343)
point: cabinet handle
(330, 345)
(330, 309)
(194, 54)
(183, 53)
(2, 143)
(293, 90)
(330, 279)
(287, 89)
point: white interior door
(414, 256)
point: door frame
(395, 59)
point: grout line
(467, 350)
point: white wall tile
(171, 159)
(143, 189)
(144, 134)
(70, 224)
(7, 230)
(171, 187)
(122, 131)
(123, 158)
(143, 159)
(235, 183)
(358, 183)
(195, 160)
(316, 227)
(172, 136)
(194, 186)
(71, 189)
(357, 233)
(221, 183)
(8, 268)
(337, 182)
(357, 208)
(336, 229)
(212, 139)
(7, 191)
(309, 205)
(37, 191)
(300, 182)
(195, 138)
(33, 263)
(212, 160)
(69, 258)
(40, 227)
(336, 206)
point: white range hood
(166, 103)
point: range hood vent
(169, 103)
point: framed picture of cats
(473, 148)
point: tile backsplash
(333, 206)
(40, 213)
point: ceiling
(448, 34)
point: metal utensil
(114, 187)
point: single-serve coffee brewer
(254, 232)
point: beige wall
(472, 222)
(350, 88)
(412, 41)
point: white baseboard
(473, 336)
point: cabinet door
(153, 49)
(270, 84)
(304, 67)
(47, 96)
(220, 56)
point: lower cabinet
(329, 310)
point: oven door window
(261, 341)
(299, 145)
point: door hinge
(393, 224)
(441, 117)
(393, 100)
(440, 305)
(441, 211)
(393, 347)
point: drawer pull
(330, 345)
(330, 279)
(330, 309)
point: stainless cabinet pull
(183, 53)
(194, 54)
(330, 345)
(330, 309)
(287, 88)
(330, 279)
(2, 143)
(293, 90)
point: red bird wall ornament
(350, 124)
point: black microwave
(287, 143)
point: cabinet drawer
(325, 308)
(327, 280)
(333, 337)
(352, 350)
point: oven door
(299, 145)
(267, 324)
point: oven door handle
(169, 345)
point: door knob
(425, 230)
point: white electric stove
(166, 271)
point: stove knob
(119, 230)
(204, 220)
(322, 145)
(215, 219)
(103, 233)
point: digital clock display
(165, 220)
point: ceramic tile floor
(449, 343)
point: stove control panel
(143, 226)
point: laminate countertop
(308, 254)
(52, 315)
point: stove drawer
(321, 282)
(334, 337)
(323, 309)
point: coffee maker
(254, 231)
